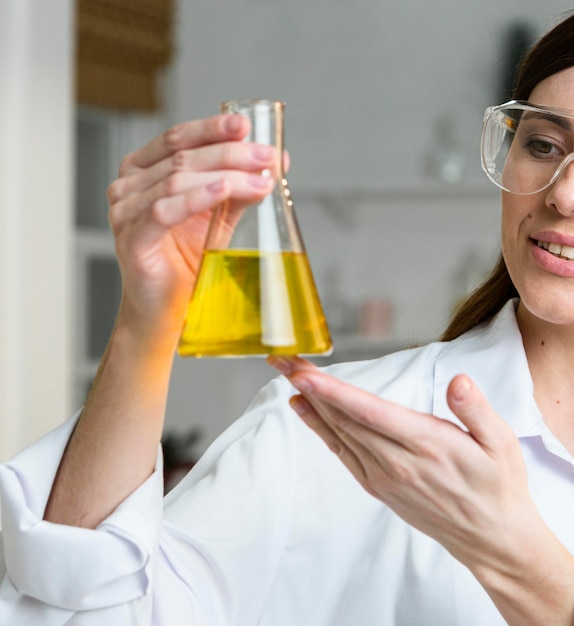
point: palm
(161, 275)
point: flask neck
(266, 117)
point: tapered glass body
(255, 293)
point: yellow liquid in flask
(248, 302)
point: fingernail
(461, 389)
(299, 405)
(281, 364)
(216, 187)
(259, 182)
(233, 123)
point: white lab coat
(269, 528)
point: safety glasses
(525, 148)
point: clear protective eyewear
(525, 148)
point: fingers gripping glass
(525, 148)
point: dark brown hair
(553, 53)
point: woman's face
(544, 279)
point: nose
(560, 196)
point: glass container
(255, 293)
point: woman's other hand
(468, 489)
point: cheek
(514, 234)
(516, 215)
(508, 227)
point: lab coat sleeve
(208, 559)
(50, 571)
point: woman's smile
(553, 257)
(561, 251)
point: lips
(560, 251)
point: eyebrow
(550, 117)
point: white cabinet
(95, 271)
(102, 139)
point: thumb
(468, 403)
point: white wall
(35, 218)
(365, 83)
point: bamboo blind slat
(121, 47)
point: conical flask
(255, 293)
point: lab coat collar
(493, 357)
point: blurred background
(384, 110)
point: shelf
(354, 346)
(404, 192)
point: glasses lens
(524, 146)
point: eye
(541, 148)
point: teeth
(554, 248)
(565, 252)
